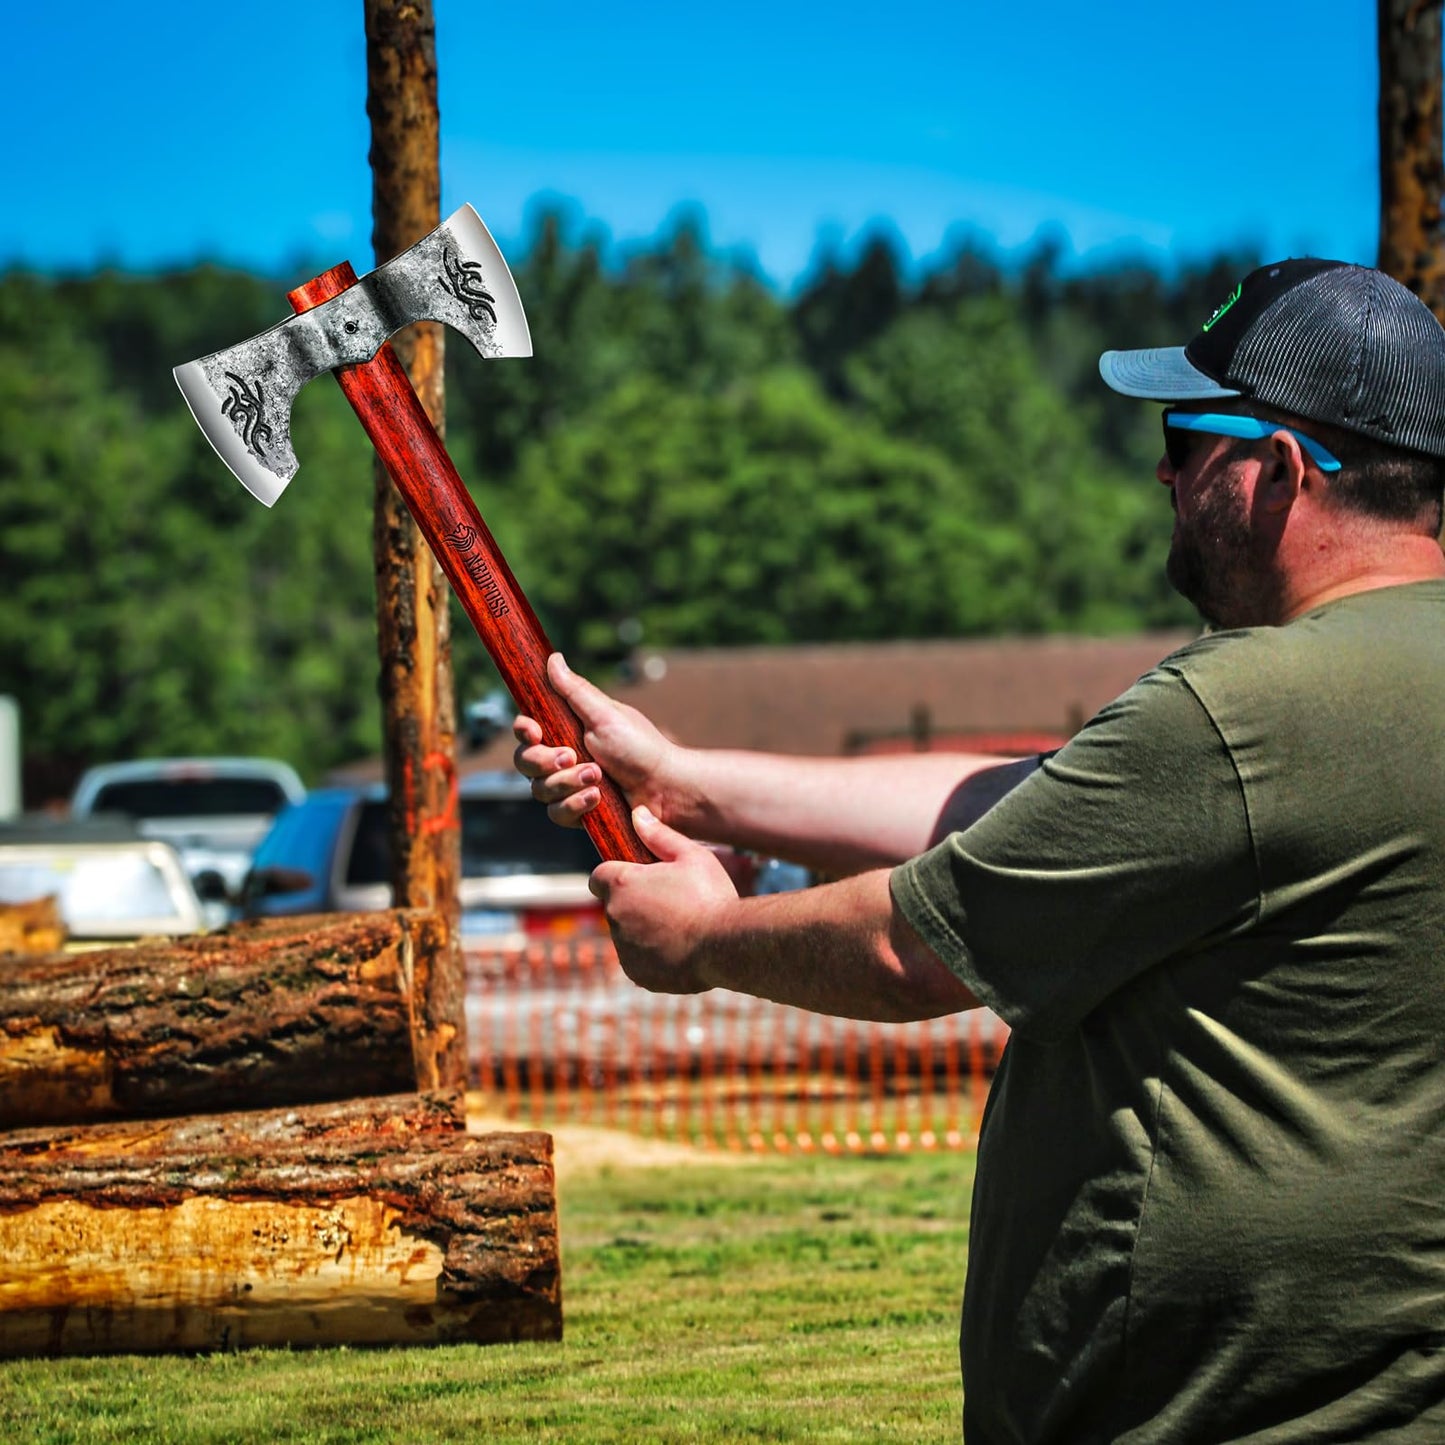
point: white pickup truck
(213, 811)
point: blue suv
(522, 876)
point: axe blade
(241, 397)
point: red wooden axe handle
(381, 395)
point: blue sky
(156, 135)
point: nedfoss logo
(1228, 302)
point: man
(1210, 1201)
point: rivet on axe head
(241, 398)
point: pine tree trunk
(414, 636)
(376, 1222)
(1412, 168)
(280, 1012)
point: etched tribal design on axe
(247, 410)
(465, 281)
(241, 397)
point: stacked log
(141, 1211)
(285, 1011)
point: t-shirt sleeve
(1128, 846)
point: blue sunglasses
(1249, 428)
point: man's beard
(1217, 563)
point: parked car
(213, 811)
(110, 884)
(522, 876)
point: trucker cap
(1340, 344)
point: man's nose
(1165, 471)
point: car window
(190, 797)
(99, 891)
(515, 835)
(499, 836)
(370, 860)
(302, 836)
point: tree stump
(372, 1222)
(284, 1011)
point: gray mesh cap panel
(1352, 347)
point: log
(376, 1222)
(287, 1011)
(32, 927)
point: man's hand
(634, 754)
(660, 913)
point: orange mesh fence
(557, 1034)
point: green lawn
(772, 1299)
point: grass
(773, 1299)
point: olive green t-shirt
(1210, 1201)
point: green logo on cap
(1228, 302)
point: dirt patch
(589, 1148)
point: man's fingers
(603, 877)
(556, 786)
(667, 844)
(585, 699)
(570, 811)
(536, 760)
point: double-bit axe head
(241, 397)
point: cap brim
(1159, 374)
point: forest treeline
(689, 458)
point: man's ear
(1283, 474)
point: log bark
(374, 1222)
(413, 621)
(1412, 148)
(286, 1011)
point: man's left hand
(660, 913)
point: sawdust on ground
(588, 1148)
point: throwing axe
(241, 398)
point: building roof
(988, 694)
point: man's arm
(842, 948)
(837, 815)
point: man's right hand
(621, 741)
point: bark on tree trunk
(280, 1012)
(376, 1222)
(1412, 168)
(414, 639)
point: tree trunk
(285, 1011)
(1412, 168)
(377, 1222)
(414, 639)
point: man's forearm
(842, 949)
(837, 815)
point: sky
(155, 136)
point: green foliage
(150, 605)
(686, 451)
(762, 513)
(1084, 534)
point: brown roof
(847, 697)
